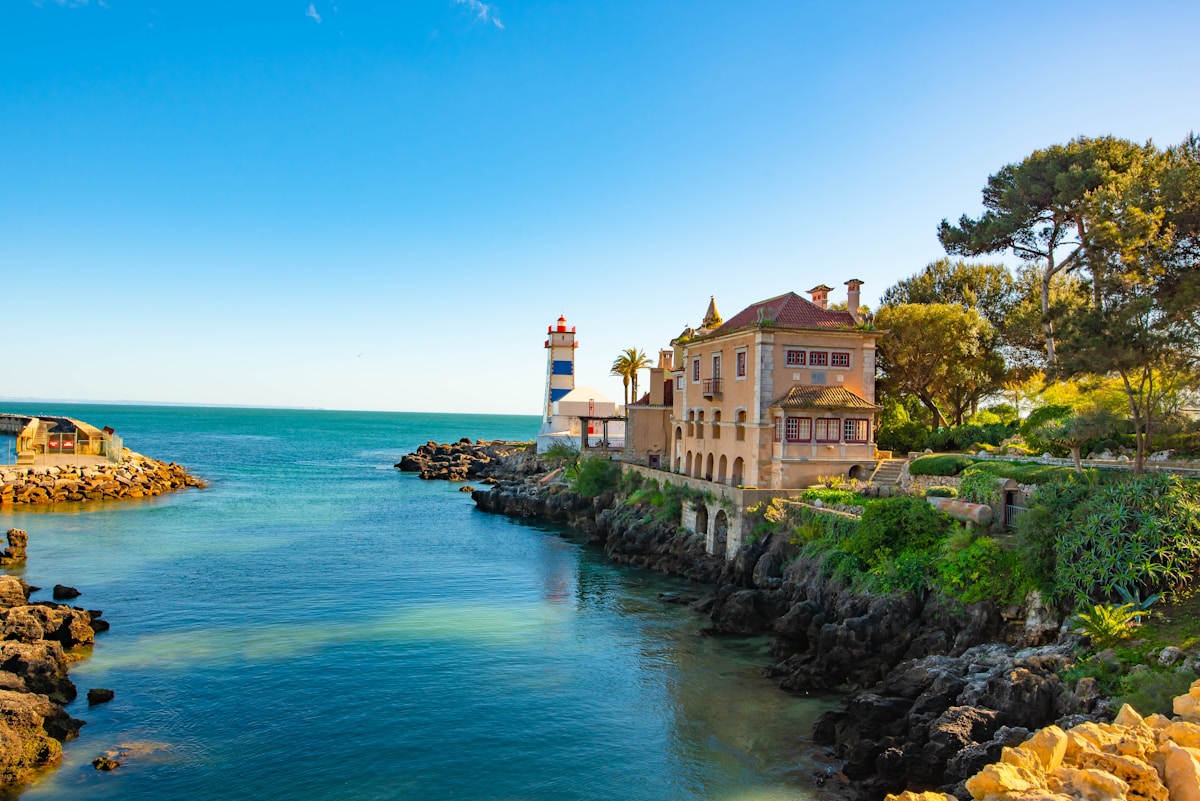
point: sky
(382, 205)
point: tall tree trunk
(928, 403)
(1075, 451)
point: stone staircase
(888, 471)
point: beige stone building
(778, 395)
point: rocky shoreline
(936, 691)
(38, 642)
(465, 460)
(136, 476)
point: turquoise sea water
(316, 625)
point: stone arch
(739, 419)
(857, 471)
(708, 468)
(687, 471)
(698, 465)
(702, 519)
(739, 472)
(720, 533)
(722, 468)
(716, 423)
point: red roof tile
(789, 311)
(817, 397)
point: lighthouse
(560, 364)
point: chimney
(852, 298)
(820, 295)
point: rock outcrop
(37, 643)
(1131, 759)
(463, 460)
(136, 476)
(14, 554)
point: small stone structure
(14, 554)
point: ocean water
(316, 625)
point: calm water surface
(318, 626)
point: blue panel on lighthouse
(562, 367)
(555, 394)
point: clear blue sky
(381, 205)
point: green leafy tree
(987, 288)
(1041, 209)
(942, 354)
(1077, 430)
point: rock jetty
(463, 460)
(1155, 758)
(136, 476)
(37, 643)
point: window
(740, 358)
(679, 382)
(795, 358)
(828, 429)
(799, 429)
(716, 365)
(818, 358)
(839, 359)
(695, 371)
(855, 430)
(778, 429)
(818, 377)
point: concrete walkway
(59, 460)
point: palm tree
(627, 366)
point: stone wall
(136, 476)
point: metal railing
(711, 387)
(1011, 513)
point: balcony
(711, 388)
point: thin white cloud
(482, 11)
(67, 3)
(312, 12)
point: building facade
(776, 397)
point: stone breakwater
(39, 642)
(463, 460)
(1155, 758)
(136, 476)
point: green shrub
(559, 454)
(1152, 691)
(978, 485)
(1038, 529)
(903, 438)
(596, 476)
(894, 526)
(977, 568)
(1033, 424)
(941, 492)
(1024, 472)
(1140, 533)
(941, 465)
(963, 438)
(833, 496)
(910, 571)
(1105, 624)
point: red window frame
(799, 429)
(855, 430)
(839, 359)
(818, 358)
(825, 424)
(794, 358)
(740, 358)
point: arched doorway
(702, 519)
(698, 466)
(687, 471)
(857, 472)
(722, 466)
(708, 468)
(720, 533)
(738, 477)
